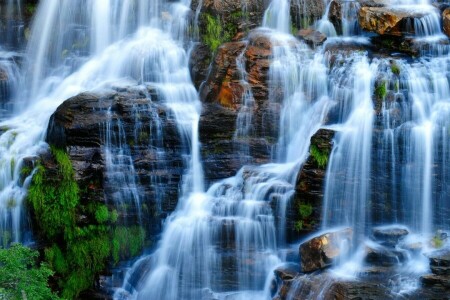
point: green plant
(305, 210)
(437, 242)
(395, 69)
(298, 226)
(319, 156)
(21, 277)
(381, 90)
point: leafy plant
(319, 156)
(21, 277)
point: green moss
(437, 242)
(319, 156)
(218, 32)
(102, 214)
(127, 242)
(77, 250)
(395, 69)
(381, 90)
(305, 210)
(30, 8)
(298, 226)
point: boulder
(322, 251)
(388, 20)
(306, 12)
(312, 37)
(390, 236)
(79, 126)
(384, 257)
(287, 271)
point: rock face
(80, 125)
(309, 188)
(312, 37)
(440, 266)
(305, 12)
(320, 252)
(387, 21)
(226, 108)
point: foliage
(319, 156)
(21, 278)
(395, 69)
(437, 242)
(381, 90)
(77, 250)
(127, 242)
(216, 33)
(305, 210)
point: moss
(78, 250)
(305, 210)
(437, 242)
(319, 156)
(395, 69)
(381, 90)
(127, 242)
(218, 32)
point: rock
(320, 252)
(446, 21)
(380, 256)
(433, 280)
(287, 271)
(306, 12)
(312, 37)
(388, 21)
(439, 258)
(200, 57)
(390, 236)
(79, 124)
(309, 187)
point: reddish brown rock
(446, 21)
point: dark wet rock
(436, 281)
(200, 57)
(381, 256)
(322, 251)
(439, 258)
(312, 37)
(287, 271)
(309, 189)
(306, 12)
(79, 126)
(390, 236)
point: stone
(287, 271)
(322, 251)
(390, 236)
(388, 20)
(306, 12)
(439, 258)
(446, 21)
(377, 255)
(312, 37)
(432, 280)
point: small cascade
(348, 183)
(324, 25)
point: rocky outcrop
(440, 267)
(312, 37)
(306, 12)
(388, 21)
(322, 251)
(239, 70)
(82, 125)
(310, 187)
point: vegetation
(216, 33)
(319, 156)
(305, 211)
(381, 90)
(395, 69)
(437, 242)
(21, 277)
(78, 249)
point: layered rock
(80, 126)
(240, 69)
(446, 21)
(306, 12)
(440, 267)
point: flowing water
(225, 240)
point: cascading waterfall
(64, 63)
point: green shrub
(21, 278)
(319, 156)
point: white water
(227, 240)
